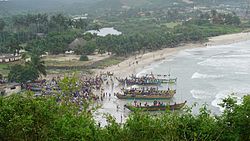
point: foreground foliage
(23, 117)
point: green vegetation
(24, 117)
(146, 26)
(152, 34)
(30, 70)
(106, 62)
(102, 8)
(171, 24)
(2, 24)
(88, 48)
(4, 68)
(54, 33)
(84, 58)
(58, 33)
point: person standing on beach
(121, 118)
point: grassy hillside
(104, 6)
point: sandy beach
(135, 64)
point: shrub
(84, 58)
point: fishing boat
(148, 79)
(133, 96)
(147, 94)
(171, 80)
(139, 81)
(156, 107)
(147, 91)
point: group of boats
(148, 79)
(149, 93)
(146, 94)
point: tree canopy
(25, 117)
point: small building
(9, 88)
(9, 58)
(77, 42)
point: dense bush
(54, 34)
(23, 117)
(84, 58)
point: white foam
(183, 53)
(200, 94)
(169, 60)
(144, 72)
(148, 69)
(225, 93)
(218, 99)
(243, 51)
(227, 62)
(233, 56)
(242, 73)
(197, 75)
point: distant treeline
(53, 34)
(106, 7)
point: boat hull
(139, 83)
(156, 108)
(146, 92)
(120, 96)
(136, 81)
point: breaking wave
(197, 75)
(200, 94)
(242, 73)
(232, 56)
(237, 93)
(227, 62)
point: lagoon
(105, 31)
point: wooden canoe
(156, 108)
(153, 96)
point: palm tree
(2, 25)
(15, 46)
(33, 60)
(38, 64)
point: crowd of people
(88, 88)
(155, 103)
(84, 91)
(148, 91)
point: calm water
(205, 76)
(105, 31)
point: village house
(9, 58)
(8, 89)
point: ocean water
(207, 75)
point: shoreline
(136, 63)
